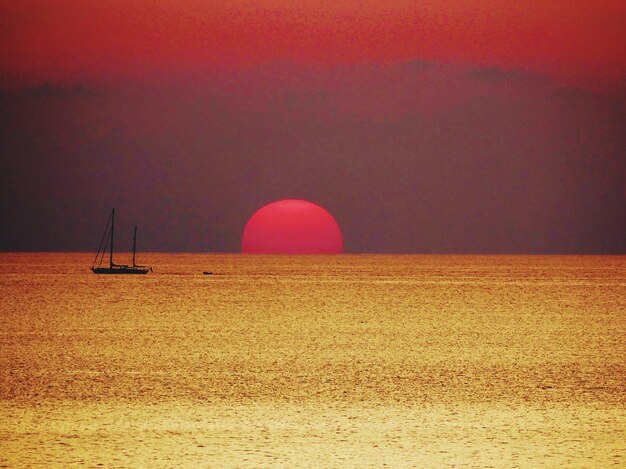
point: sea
(313, 361)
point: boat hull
(120, 270)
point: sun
(292, 226)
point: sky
(482, 126)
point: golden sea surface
(314, 361)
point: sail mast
(134, 245)
(112, 231)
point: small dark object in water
(207, 273)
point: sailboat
(107, 241)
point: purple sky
(411, 157)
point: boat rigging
(107, 242)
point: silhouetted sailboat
(107, 241)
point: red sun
(292, 227)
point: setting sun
(292, 227)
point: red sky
(581, 42)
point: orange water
(350, 361)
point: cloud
(421, 64)
(50, 90)
(499, 75)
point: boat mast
(112, 231)
(134, 245)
